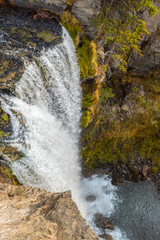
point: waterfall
(45, 114)
(48, 97)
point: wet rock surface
(28, 213)
(103, 222)
(24, 33)
(83, 10)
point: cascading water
(48, 98)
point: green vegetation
(73, 26)
(85, 118)
(1, 133)
(106, 93)
(87, 57)
(5, 117)
(115, 137)
(120, 25)
(47, 37)
(7, 176)
(88, 100)
(86, 49)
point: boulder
(103, 222)
(32, 213)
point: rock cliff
(35, 214)
(83, 10)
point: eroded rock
(28, 213)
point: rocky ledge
(34, 214)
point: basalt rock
(24, 34)
(31, 213)
(83, 10)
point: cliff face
(150, 46)
(28, 213)
(83, 10)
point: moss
(113, 136)
(86, 49)
(72, 25)
(85, 118)
(46, 36)
(1, 133)
(7, 176)
(13, 29)
(5, 117)
(87, 58)
(88, 100)
(9, 76)
(106, 93)
(155, 169)
(70, 2)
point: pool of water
(138, 212)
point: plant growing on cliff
(86, 49)
(119, 23)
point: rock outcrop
(150, 46)
(83, 10)
(27, 213)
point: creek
(48, 98)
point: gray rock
(150, 46)
(58, 6)
(84, 11)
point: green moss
(86, 49)
(72, 25)
(85, 118)
(47, 37)
(13, 29)
(106, 93)
(114, 137)
(88, 100)
(87, 58)
(1, 133)
(5, 117)
(7, 176)
(70, 2)
(155, 169)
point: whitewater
(45, 114)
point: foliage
(85, 118)
(5, 117)
(72, 25)
(119, 24)
(86, 49)
(7, 175)
(114, 138)
(87, 58)
(106, 93)
(88, 100)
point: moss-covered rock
(7, 176)
(26, 33)
(121, 136)
(5, 124)
(86, 49)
